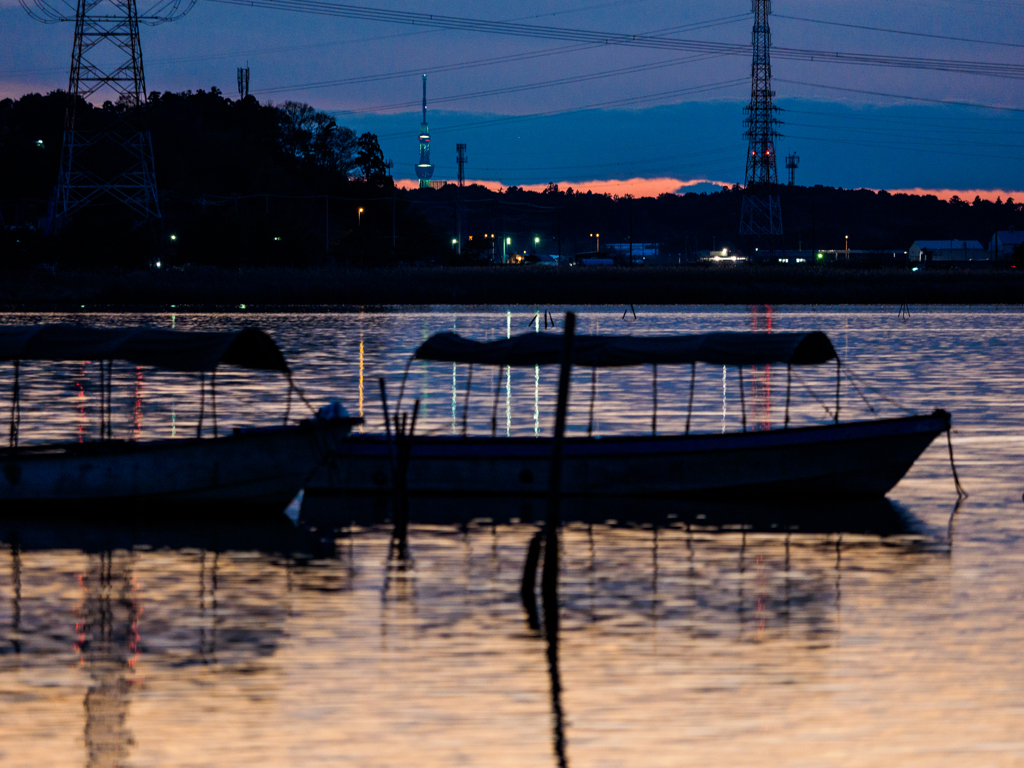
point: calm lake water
(159, 644)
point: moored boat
(247, 472)
(855, 459)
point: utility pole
(394, 193)
(460, 158)
(631, 231)
(761, 212)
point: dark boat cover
(809, 348)
(173, 350)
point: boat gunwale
(581, 446)
(103, 448)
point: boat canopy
(173, 350)
(808, 348)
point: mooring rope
(960, 492)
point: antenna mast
(792, 163)
(243, 81)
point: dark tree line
(685, 225)
(247, 184)
(240, 183)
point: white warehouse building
(947, 250)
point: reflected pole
(549, 578)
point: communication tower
(243, 81)
(792, 163)
(424, 170)
(761, 212)
(112, 158)
(460, 158)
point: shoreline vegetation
(310, 288)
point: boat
(245, 473)
(835, 460)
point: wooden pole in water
(549, 579)
(549, 582)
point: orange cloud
(641, 187)
(964, 194)
(638, 187)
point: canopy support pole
(288, 401)
(401, 390)
(465, 406)
(789, 383)
(593, 395)
(839, 380)
(103, 403)
(743, 405)
(202, 403)
(213, 399)
(16, 404)
(497, 393)
(110, 399)
(654, 415)
(689, 408)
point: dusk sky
(663, 119)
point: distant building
(641, 251)
(948, 250)
(1002, 244)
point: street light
(504, 245)
(359, 218)
(598, 236)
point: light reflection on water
(204, 646)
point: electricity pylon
(761, 212)
(107, 157)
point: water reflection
(697, 635)
(165, 604)
(107, 641)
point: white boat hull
(853, 460)
(248, 471)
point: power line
(915, 147)
(537, 85)
(916, 137)
(514, 29)
(515, 57)
(917, 119)
(898, 96)
(601, 105)
(897, 31)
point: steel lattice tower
(761, 213)
(110, 160)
